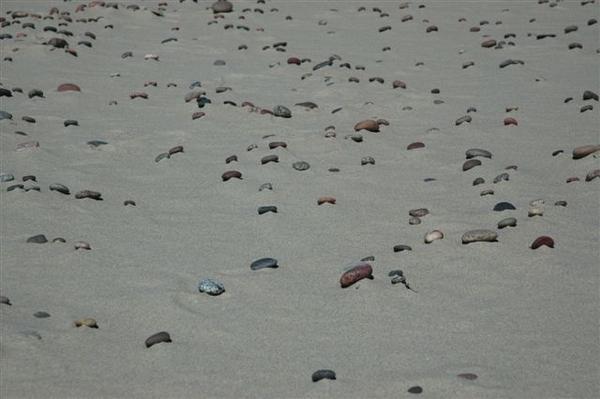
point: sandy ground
(524, 321)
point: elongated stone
(323, 374)
(38, 239)
(470, 164)
(402, 247)
(479, 235)
(355, 274)
(89, 194)
(507, 222)
(211, 287)
(477, 152)
(158, 338)
(267, 208)
(264, 263)
(584, 151)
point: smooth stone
(419, 212)
(414, 221)
(265, 186)
(367, 161)
(591, 175)
(356, 273)
(269, 158)
(58, 239)
(402, 247)
(504, 206)
(584, 151)
(470, 164)
(38, 239)
(501, 177)
(477, 152)
(323, 374)
(416, 389)
(301, 165)
(96, 143)
(211, 287)
(433, 236)
(71, 122)
(60, 188)
(560, 203)
(157, 338)
(89, 194)
(479, 235)
(267, 208)
(88, 322)
(463, 119)
(41, 315)
(264, 263)
(542, 241)
(486, 192)
(6, 177)
(14, 187)
(231, 174)
(5, 115)
(589, 95)
(5, 301)
(478, 181)
(507, 222)
(162, 156)
(282, 112)
(221, 6)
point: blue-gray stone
(264, 263)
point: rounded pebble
(360, 271)
(264, 263)
(37, 239)
(158, 338)
(323, 374)
(211, 287)
(267, 208)
(433, 236)
(504, 206)
(301, 165)
(541, 241)
(231, 174)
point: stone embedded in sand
(37, 239)
(157, 338)
(398, 83)
(5, 301)
(501, 177)
(402, 247)
(585, 108)
(508, 62)
(467, 376)
(68, 87)
(585, 150)
(35, 93)
(419, 212)
(57, 42)
(276, 144)
(282, 112)
(592, 175)
(221, 6)
(231, 174)
(231, 158)
(358, 272)
(477, 152)
(138, 94)
(89, 194)
(326, 200)
(478, 181)
(89, 322)
(589, 95)
(542, 240)
(269, 158)
(470, 164)
(433, 236)
(416, 389)
(301, 165)
(488, 43)
(175, 150)
(510, 121)
(83, 245)
(266, 209)
(264, 263)
(211, 287)
(368, 124)
(479, 235)
(70, 122)
(507, 222)
(323, 374)
(294, 61)
(463, 119)
(367, 161)
(60, 188)
(415, 145)
(503, 206)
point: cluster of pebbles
(61, 27)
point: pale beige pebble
(368, 124)
(432, 236)
(584, 151)
(536, 208)
(83, 245)
(88, 322)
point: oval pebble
(477, 152)
(467, 376)
(269, 158)
(264, 263)
(301, 165)
(231, 174)
(402, 247)
(89, 194)
(478, 181)
(584, 151)
(323, 374)
(504, 206)
(37, 239)
(211, 287)
(501, 177)
(507, 222)
(6, 177)
(68, 87)
(5, 301)
(41, 315)
(158, 338)
(267, 208)
(368, 124)
(542, 240)
(358, 272)
(433, 236)
(591, 175)
(419, 212)
(414, 146)
(282, 112)
(479, 235)
(470, 164)
(416, 389)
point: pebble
(157, 338)
(323, 374)
(508, 62)
(38, 239)
(542, 240)
(301, 165)
(470, 164)
(419, 212)
(162, 156)
(265, 186)
(589, 95)
(478, 181)
(415, 145)
(467, 376)
(5, 301)
(560, 203)
(414, 221)
(584, 151)
(416, 389)
(41, 315)
(269, 158)
(70, 122)
(585, 108)
(507, 222)
(591, 175)
(68, 87)
(231, 158)
(231, 174)
(35, 93)
(277, 144)
(129, 202)
(463, 119)
(433, 236)
(89, 194)
(6, 177)
(264, 263)
(5, 115)
(402, 247)
(82, 245)
(504, 206)
(326, 200)
(501, 177)
(477, 152)
(479, 235)
(211, 287)
(356, 273)
(96, 143)
(267, 208)
(367, 161)
(282, 112)
(536, 208)
(368, 124)
(89, 322)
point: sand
(524, 321)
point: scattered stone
(536, 208)
(282, 112)
(433, 236)
(414, 221)
(231, 174)
(477, 152)
(301, 165)
(367, 161)
(264, 263)
(358, 272)
(542, 240)
(89, 194)
(584, 151)
(37, 239)
(416, 389)
(158, 338)
(463, 119)
(592, 175)
(91, 323)
(323, 374)
(269, 158)
(467, 376)
(560, 203)
(470, 164)
(402, 247)
(479, 235)
(41, 315)
(211, 287)
(589, 95)
(267, 208)
(478, 181)
(419, 212)
(368, 124)
(129, 203)
(326, 200)
(82, 245)
(5, 301)
(507, 222)
(504, 206)
(501, 177)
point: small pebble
(507, 222)
(367, 161)
(282, 112)
(266, 209)
(157, 338)
(323, 374)
(211, 287)
(504, 206)
(91, 323)
(433, 236)
(37, 239)
(41, 315)
(478, 181)
(416, 389)
(89, 194)
(479, 235)
(231, 174)
(5, 301)
(414, 221)
(264, 263)
(541, 241)
(301, 165)
(265, 186)
(358, 272)
(470, 164)
(402, 247)
(269, 158)
(419, 212)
